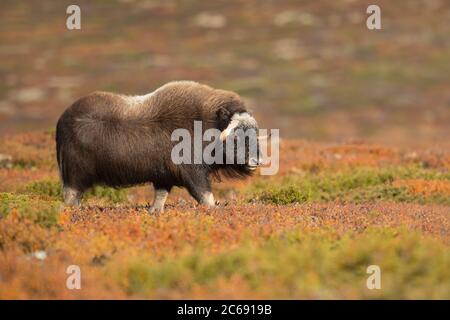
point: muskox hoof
(208, 206)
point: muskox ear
(223, 118)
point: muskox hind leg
(159, 200)
(72, 196)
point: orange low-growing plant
(24, 234)
(425, 187)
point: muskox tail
(59, 152)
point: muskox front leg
(159, 200)
(200, 190)
(72, 196)
(207, 198)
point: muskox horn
(226, 132)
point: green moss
(24, 163)
(48, 188)
(357, 185)
(52, 189)
(110, 194)
(41, 212)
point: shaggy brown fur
(117, 140)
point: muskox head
(241, 143)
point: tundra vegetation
(311, 69)
(309, 232)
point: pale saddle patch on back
(134, 104)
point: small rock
(5, 161)
(210, 20)
(40, 255)
(294, 16)
(411, 156)
(28, 94)
(99, 260)
(286, 17)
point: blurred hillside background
(310, 68)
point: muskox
(118, 140)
